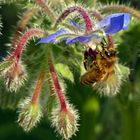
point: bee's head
(109, 52)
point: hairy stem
(0, 26)
(120, 8)
(90, 3)
(33, 32)
(50, 85)
(44, 5)
(83, 13)
(22, 25)
(9, 1)
(35, 97)
(56, 84)
(67, 2)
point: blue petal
(51, 38)
(73, 23)
(115, 22)
(68, 40)
(82, 39)
(126, 21)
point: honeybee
(99, 64)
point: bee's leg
(85, 64)
(105, 42)
(105, 76)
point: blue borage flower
(115, 22)
(110, 25)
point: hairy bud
(14, 74)
(29, 114)
(65, 121)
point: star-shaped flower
(109, 25)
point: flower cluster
(102, 69)
(100, 61)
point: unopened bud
(29, 114)
(65, 121)
(14, 75)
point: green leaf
(64, 71)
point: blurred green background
(101, 118)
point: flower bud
(29, 114)
(14, 75)
(65, 121)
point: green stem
(130, 122)
(37, 90)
